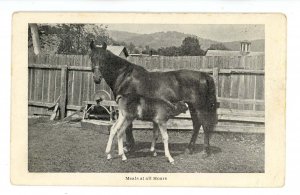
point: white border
(290, 8)
(275, 54)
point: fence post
(216, 79)
(63, 91)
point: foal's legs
(154, 139)
(121, 131)
(112, 133)
(120, 125)
(165, 137)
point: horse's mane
(117, 60)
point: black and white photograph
(177, 77)
(146, 98)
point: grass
(70, 148)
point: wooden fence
(239, 82)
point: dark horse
(195, 88)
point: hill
(156, 40)
(121, 35)
(174, 38)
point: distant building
(120, 51)
(244, 51)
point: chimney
(245, 47)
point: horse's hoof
(172, 161)
(188, 151)
(154, 154)
(128, 149)
(124, 158)
(204, 154)
(108, 157)
(125, 149)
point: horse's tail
(211, 94)
(211, 98)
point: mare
(195, 88)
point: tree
(69, 38)
(169, 51)
(35, 38)
(218, 46)
(146, 50)
(136, 51)
(75, 38)
(131, 47)
(190, 47)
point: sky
(217, 32)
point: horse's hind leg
(195, 115)
(165, 137)
(154, 139)
(207, 128)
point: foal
(134, 106)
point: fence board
(241, 88)
(235, 79)
(77, 81)
(51, 81)
(71, 86)
(36, 84)
(260, 85)
(220, 65)
(227, 83)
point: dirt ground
(70, 148)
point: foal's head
(180, 107)
(98, 56)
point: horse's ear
(92, 45)
(104, 45)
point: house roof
(117, 50)
(231, 53)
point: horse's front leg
(165, 138)
(154, 139)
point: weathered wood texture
(239, 81)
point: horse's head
(98, 56)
